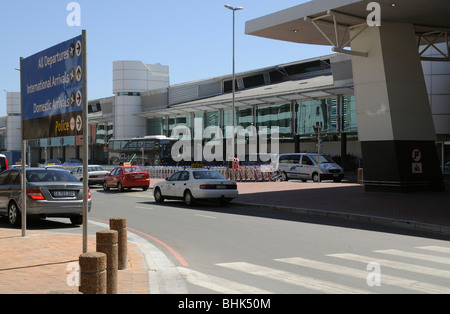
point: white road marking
(294, 279)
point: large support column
(395, 124)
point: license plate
(138, 176)
(64, 193)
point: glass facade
(155, 126)
(335, 114)
(173, 121)
(275, 115)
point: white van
(305, 167)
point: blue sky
(194, 38)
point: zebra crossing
(422, 269)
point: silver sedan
(50, 193)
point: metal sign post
(85, 146)
(24, 164)
(318, 130)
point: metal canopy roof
(295, 24)
(317, 87)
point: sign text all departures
(52, 91)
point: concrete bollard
(107, 244)
(92, 273)
(360, 175)
(119, 224)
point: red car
(127, 177)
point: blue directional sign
(52, 91)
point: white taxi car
(96, 174)
(195, 184)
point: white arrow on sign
(79, 123)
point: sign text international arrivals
(52, 91)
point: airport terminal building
(294, 96)
(383, 97)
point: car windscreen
(207, 175)
(132, 169)
(323, 159)
(50, 175)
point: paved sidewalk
(421, 210)
(37, 264)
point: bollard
(107, 244)
(119, 224)
(92, 273)
(360, 176)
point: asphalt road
(215, 249)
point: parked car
(3, 163)
(305, 167)
(195, 184)
(72, 162)
(50, 193)
(96, 174)
(55, 167)
(18, 166)
(53, 162)
(127, 177)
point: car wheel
(158, 196)
(14, 217)
(188, 198)
(120, 187)
(284, 176)
(145, 188)
(76, 220)
(105, 186)
(315, 177)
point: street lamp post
(234, 9)
(318, 131)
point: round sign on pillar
(417, 155)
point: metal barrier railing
(253, 173)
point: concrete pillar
(92, 273)
(395, 124)
(107, 244)
(119, 224)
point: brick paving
(38, 263)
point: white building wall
(13, 122)
(134, 77)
